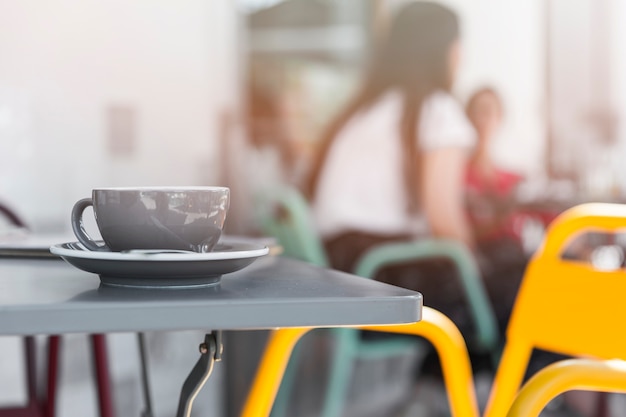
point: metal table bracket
(145, 378)
(210, 352)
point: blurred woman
(392, 165)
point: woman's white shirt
(362, 186)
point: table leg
(30, 348)
(210, 352)
(145, 379)
(53, 375)
(103, 380)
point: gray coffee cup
(165, 218)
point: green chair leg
(281, 403)
(340, 373)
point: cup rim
(169, 188)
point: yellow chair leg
(434, 326)
(508, 378)
(270, 372)
(572, 374)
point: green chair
(285, 215)
(390, 254)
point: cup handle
(79, 227)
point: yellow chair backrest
(564, 306)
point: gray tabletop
(52, 297)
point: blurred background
(237, 93)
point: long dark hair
(412, 58)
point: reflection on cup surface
(151, 218)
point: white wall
(64, 62)
(618, 83)
(588, 86)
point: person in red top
(490, 207)
(490, 189)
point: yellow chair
(567, 375)
(564, 306)
(285, 214)
(434, 326)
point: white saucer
(163, 269)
